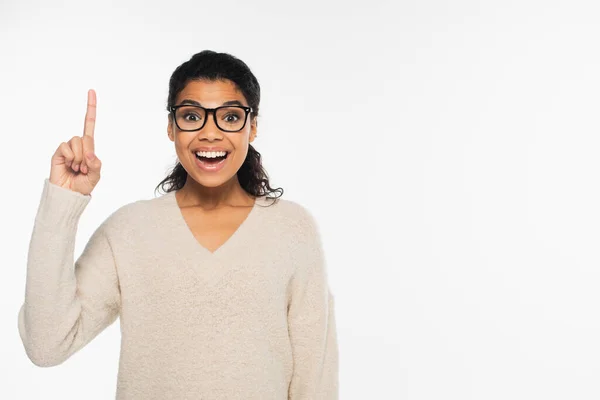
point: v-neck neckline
(187, 231)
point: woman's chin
(212, 180)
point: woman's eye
(191, 115)
(231, 118)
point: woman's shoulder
(290, 213)
(138, 213)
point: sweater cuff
(60, 206)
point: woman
(221, 289)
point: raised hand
(74, 165)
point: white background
(447, 149)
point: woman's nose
(210, 130)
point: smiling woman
(221, 287)
(198, 138)
(224, 82)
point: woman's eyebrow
(227, 103)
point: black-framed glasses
(227, 118)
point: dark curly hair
(213, 66)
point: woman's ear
(170, 132)
(253, 130)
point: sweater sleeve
(66, 304)
(311, 323)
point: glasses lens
(231, 118)
(189, 117)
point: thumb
(93, 162)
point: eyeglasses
(193, 118)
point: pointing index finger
(90, 114)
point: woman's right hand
(74, 165)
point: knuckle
(65, 151)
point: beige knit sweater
(253, 320)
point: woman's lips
(212, 167)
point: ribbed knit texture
(253, 320)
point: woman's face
(211, 94)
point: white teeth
(211, 154)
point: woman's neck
(229, 194)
